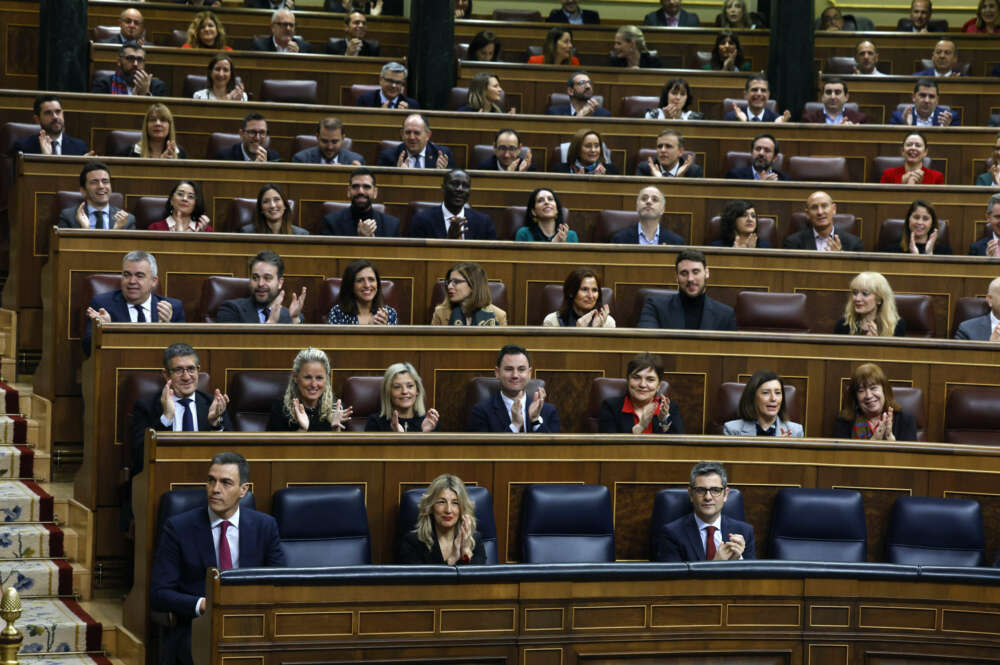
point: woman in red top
(185, 210)
(913, 171)
(642, 410)
(987, 14)
(557, 50)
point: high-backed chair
(120, 142)
(217, 289)
(356, 91)
(964, 67)
(480, 153)
(727, 405)
(674, 503)
(551, 300)
(364, 395)
(729, 102)
(972, 415)
(483, 387)
(917, 309)
(498, 296)
(178, 37)
(251, 394)
(968, 308)
(641, 296)
(925, 531)
(102, 32)
(562, 99)
(304, 141)
(241, 211)
(11, 133)
(462, 51)
(289, 92)
(736, 159)
(818, 169)
(409, 506)
(322, 525)
(845, 64)
(72, 199)
(149, 209)
(911, 400)
(635, 106)
(766, 230)
(809, 107)
(132, 386)
(517, 15)
(193, 83)
(883, 162)
(329, 295)
(890, 232)
(818, 525)
(602, 388)
(771, 312)
(93, 285)
(219, 141)
(567, 524)
(702, 58)
(515, 217)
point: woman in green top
(544, 221)
(727, 55)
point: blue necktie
(187, 422)
(98, 219)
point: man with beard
(131, 77)
(356, 27)
(581, 98)
(416, 150)
(52, 139)
(689, 308)
(361, 219)
(649, 204)
(763, 151)
(508, 154)
(329, 146)
(570, 12)
(453, 219)
(253, 142)
(264, 305)
(671, 15)
(132, 29)
(925, 111)
(820, 209)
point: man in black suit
(989, 245)
(671, 15)
(690, 308)
(135, 301)
(416, 151)
(756, 92)
(392, 85)
(96, 211)
(361, 218)
(508, 153)
(356, 27)
(51, 139)
(764, 149)
(221, 535)
(649, 204)
(669, 162)
(132, 29)
(282, 39)
(131, 77)
(580, 89)
(253, 142)
(269, 4)
(919, 19)
(330, 150)
(453, 219)
(264, 305)
(821, 210)
(705, 534)
(570, 12)
(512, 410)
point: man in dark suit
(671, 15)
(253, 142)
(264, 305)
(392, 85)
(51, 139)
(989, 245)
(986, 327)
(361, 218)
(220, 535)
(705, 534)
(330, 150)
(269, 4)
(416, 151)
(282, 39)
(756, 92)
(453, 219)
(132, 29)
(944, 57)
(354, 43)
(919, 19)
(508, 153)
(649, 204)
(570, 12)
(512, 409)
(135, 301)
(669, 162)
(925, 110)
(96, 211)
(131, 77)
(764, 149)
(820, 235)
(580, 89)
(834, 97)
(690, 308)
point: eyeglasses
(508, 148)
(456, 282)
(134, 58)
(255, 132)
(702, 491)
(288, 25)
(178, 371)
(394, 82)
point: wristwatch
(537, 423)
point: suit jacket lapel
(694, 537)
(248, 546)
(206, 546)
(501, 411)
(439, 227)
(120, 307)
(675, 313)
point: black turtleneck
(693, 309)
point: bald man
(985, 328)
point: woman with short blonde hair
(445, 531)
(871, 309)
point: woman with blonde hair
(308, 404)
(445, 531)
(402, 400)
(871, 309)
(630, 50)
(206, 31)
(485, 95)
(467, 299)
(158, 139)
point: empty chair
(818, 169)
(567, 524)
(673, 503)
(364, 395)
(972, 415)
(409, 505)
(324, 525)
(635, 106)
(818, 525)
(517, 15)
(727, 405)
(925, 531)
(294, 92)
(911, 401)
(217, 289)
(917, 309)
(771, 312)
(149, 209)
(120, 142)
(251, 394)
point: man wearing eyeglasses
(132, 29)
(508, 154)
(253, 142)
(131, 77)
(392, 85)
(706, 534)
(282, 39)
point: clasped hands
(731, 549)
(646, 414)
(220, 402)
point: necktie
(516, 416)
(187, 421)
(98, 219)
(754, 119)
(671, 21)
(265, 314)
(416, 162)
(225, 556)
(56, 148)
(140, 314)
(455, 227)
(709, 543)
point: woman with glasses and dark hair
(467, 299)
(643, 409)
(185, 210)
(870, 412)
(402, 403)
(762, 409)
(675, 103)
(445, 531)
(361, 301)
(581, 306)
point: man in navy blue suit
(453, 219)
(580, 89)
(706, 534)
(392, 85)
(253, 142)
(329, 146)
(925, 111)
(52, 139)
(756, 92)
(570, 12)
(649, 204)
(416, 150)
(508, 153)
(944, 59)
(512, 409)
(135, 301)
(989, 244)
(764, 150)
(220, 535)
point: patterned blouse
(340, 317)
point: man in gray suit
(985, 328)
(96, 211)
(264, 305)
(330, 150)
(689, 308)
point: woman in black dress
(402, 403)
(446, 527)
(308, 404)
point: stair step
(27, 541)
(54, 625)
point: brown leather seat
(217, 289)
(178, 37)
(880, 164)
(964, 67)
(101, 74)
(702, 59)
(890, 232)
(364, 394)
(729, 102)
(12, 132)
(66, 199)
(766, 230)
(305, 141)
(120, 142)
(517, 15)
(736, 159)
(562, 99)
(818, 169)
(641, 296)
(93, 285)
(968, 308)
(480, 153)
(535, 49)
(241, 212)
(357, 91)
(149, 209)
(134, 385)
(102, 32)
(635, 106)
(917, 309)
(484, 387)
(611, 222)
(514, 218)
(840, 64)
(458, 97)
(387, 145)
(818, 106)
(193, 83)
(462, 51)
(727, 405)
(251, 394)
(551, 300)
(417, 206)
(764, 311)
(603, 388)
(289, 92)
(329, 294)
(498, 296)
(911, 400)
(843, 222)
(972, 415)
(219, 141)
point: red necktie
(709, 544)
(226, 557)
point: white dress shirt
(509, 402)
(147, 308)
(177, 424)
(448, 214)
(232, 537)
